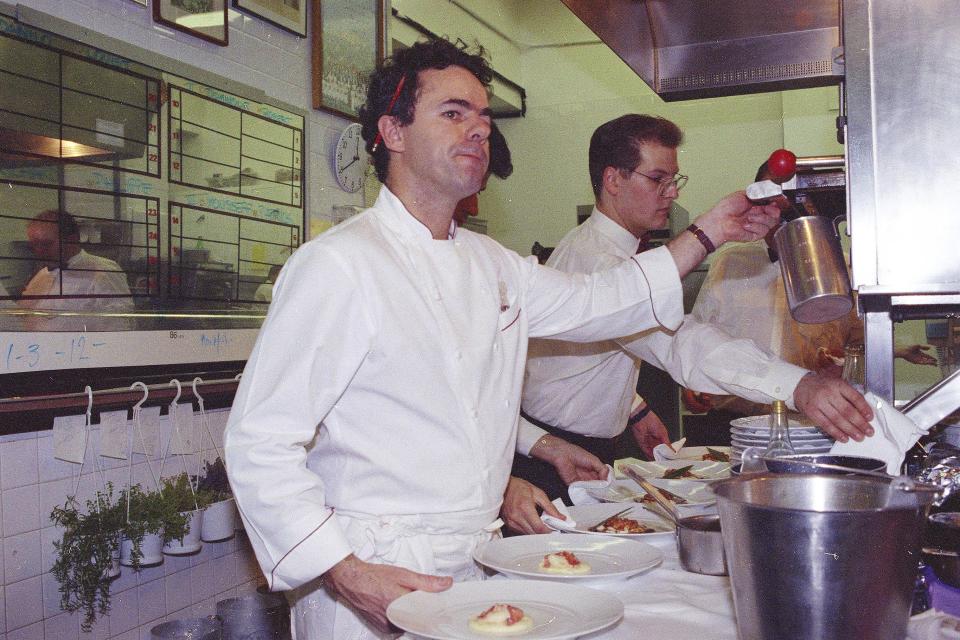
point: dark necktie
(644, 242)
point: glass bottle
(779, 444)
(853, 370)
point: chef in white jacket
(372, 434)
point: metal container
(784, 464)
(267, 614)
(821, 556)
(814, 272)
(188, 629)
(700, 545)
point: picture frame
(204, 19)
(290, 15)
(348, 42)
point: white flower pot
(151, 548)
(220, 521)
(191, 539)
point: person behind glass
(586, 393)
(744, 295)
(71, 279)
(370, 442)
(500, 166)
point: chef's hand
(735, 218)
(840, 410)
(572, 463)
(370, 587)
(520, 504)
(915, 354)
(649, 432)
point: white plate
(760, 433)
(702, 469)
(763, 422)
(626, 490)
(697, 453)
(559, 611)
(793, 438)
(610, 558)
(590, 515)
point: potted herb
(184, 500)
(87, 554)
(220, 520)
(151, 523)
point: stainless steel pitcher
(814, 272)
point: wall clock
(351, 159)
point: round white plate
(590, 515)
(626, 490)
(609, 557)
(701, 469)
(763, 422)
(803, 431)
(559, 611)
(793, 438)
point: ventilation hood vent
(687, 49)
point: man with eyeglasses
(586, 393)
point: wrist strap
(702, 237)
(638, 416)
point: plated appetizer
(563, 562)
(501, 620)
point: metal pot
(821, 556)
(784, 464)
(945, 564)
(814, 272)
(700, 545)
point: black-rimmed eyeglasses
(664, 184)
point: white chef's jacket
(386, 379)
(588, 388)
(85, 274)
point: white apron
(432, 544)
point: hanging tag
(69, 438)
(182, 430)
(113, 434)
(150, 426)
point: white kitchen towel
(662, 452)
(580, 491)
(933, 625)
(556, 523)
(894, 434)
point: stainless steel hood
(688, 49)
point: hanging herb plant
(86, 553)
(150, 513)
(214, 481)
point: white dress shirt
(385, 383)
(100, 279)
(588, 388)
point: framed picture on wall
(348, 40)
(286, 14)
(206, 19)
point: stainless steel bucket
(814, 272)
(820, 556)
(188, 629)
(266, 613)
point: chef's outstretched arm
(840, 410)
(733, 219)
(370, 588)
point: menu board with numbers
(136, 199)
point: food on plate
(563, 562)
(501, 620)
(716, 456)
(669, 495)
(682, 472)
(619, 524)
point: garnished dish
(501, 620)
(563, 562)
(680, 473)
(716, 455)
(669, 495)
(619, 524)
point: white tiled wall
(32, 482)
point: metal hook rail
(119, 397)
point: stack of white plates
(754, 431)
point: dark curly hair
(407, 64)
(617, 143)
